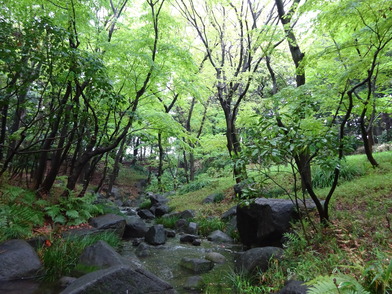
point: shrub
(208, 225)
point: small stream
(164, 260)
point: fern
(339, 284)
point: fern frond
(339, 284)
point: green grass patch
(61, 258)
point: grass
(357, 244)
(61, 258)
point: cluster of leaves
(19, 213)
(73, 210)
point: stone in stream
(159, 210)
(197, 265)
(219, 236)
(191, 228)
(194, 283)
(188, 238)
(110, 222)
(18, 260)
(119, 279)
(135, 227)
(146, 214)
(215, 257)
(157, 199)
(252, 260)
(156, 235)
(101, 255)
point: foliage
(167, 221)
(338, 284)
(19, 213)
(73, 210)
(61, 258)
(208, 225)
(198, 184)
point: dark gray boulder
(101, 255)
(188, 238)
(232, 212)
(294, 287)
(252, 260)
(135, 227)
(194, 283)
(181, 225)
(158, 199)
(191, 228)
(146, 214)
(197, 265)
(264, 221)
(215, 257)
(187, 214)
(18, 260)
(119, 279)
(112, 222)
(213, 198)
(159, 210)
(156, 235)
(219, 237)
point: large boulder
(264, 221)
(158, 199)
(18, 260)
(119, 279)
(135, 227)
(156, 235)
(101, 255)
(110, 221)
(252, 260)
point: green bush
(195, 185)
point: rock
(213, 198)
(156, 235)
(135, 227)
(196, 242)
(197, 265)
(119, 279)
(101, 255)
(118, 202)
(231, 226)
(170, 233)
(157, 200)
(110, 222)
(66, 281)
(20, 287)
(192, 228)
(146, 214)
(18, 260)
(194, 283)
(219, 236)
(264, 222)
(181, 225)
(187, 214)
(143, 250)
(232, 212)
(159, 210)
(294, 287)
(252, 260)
(188, 238)
(215, 257)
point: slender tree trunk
(116, 166)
